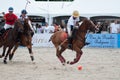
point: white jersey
(114, 28)
(72, 21)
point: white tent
(48, 9)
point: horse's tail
(50, 38)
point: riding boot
(86, 43)
(70, 42)
(2, 31)
(74, 33)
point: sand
(97, 64)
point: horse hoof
(5, 62)
(68, 62)
(32, 58)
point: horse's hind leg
(59, 55)
(78, 56)
(3, 54)
(12, 54)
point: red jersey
(10, 18)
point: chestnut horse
(9, 38)
(59, 39)
(26, 40)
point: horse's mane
(26, 25)
(83, 28)
(85, 25)
(27, 28)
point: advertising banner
(103, 40)
(95, 40)
(42, 40)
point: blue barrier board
(103, 40)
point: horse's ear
(29, 18)
(80, 23)
(26, 20)
(18, 20)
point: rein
(27, 28)
(6, 33)
(80, 31)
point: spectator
(56, 27)
(114, 27)
(39, 29)
(46, 28)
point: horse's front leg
(78, 56)
(59, 54)
(3, 54)
(30, 51)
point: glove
(76, 27)
(71, 26)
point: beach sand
(97, 64)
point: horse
(26, 40)
(9, 37)
(59, 39)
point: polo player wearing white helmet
(72, 21)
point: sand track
(98, 64)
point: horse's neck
(82, 31)
(12, 34)
(29, 24)
(82, 34)
(15, 31)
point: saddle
(4, 33)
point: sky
(83, 6)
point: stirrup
(1, 34)
(86, 43)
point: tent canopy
(85, 7)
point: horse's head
(88, 25)
(27, 25)
(18, 26)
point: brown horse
(9, 38)
(59, 39)
(26, 40)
